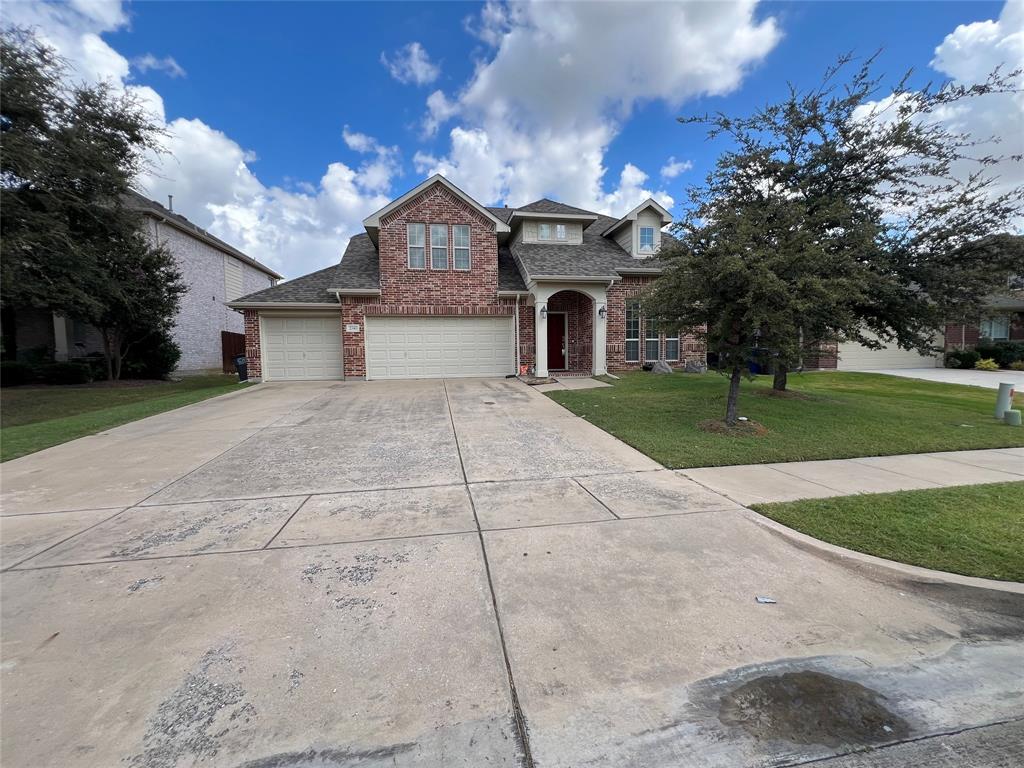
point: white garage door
(856, 357)
(300, 348)
(432, 347)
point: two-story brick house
(441, 286)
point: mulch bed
(739, 429)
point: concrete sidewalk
(759, 483)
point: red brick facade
(960, 336)
(441, 292)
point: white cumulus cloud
(673, 168)
(560, 79)
(151, 63)
(411, 64)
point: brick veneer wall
(252, 343)
(579, 311)
(966, 336)
(824, 357)
(691, 347)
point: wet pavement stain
(332, 758)
(188, 725)
(811, 708)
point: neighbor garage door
(429, 347)
(299, 348)
(856, 357)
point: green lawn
(976, 530)
(841, 415)
(33, 418)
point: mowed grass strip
(974, 530)
(834, 416)
(34, 418)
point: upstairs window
(633, 332)
(439, 246)
(543, 231)
(417, 252)
(560, 231)
(995, 327)
(460, 240)
(652, 341)
(646, 239)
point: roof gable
(372, 222)
(666, 217)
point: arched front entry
(570, 333)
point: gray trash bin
(242, 366)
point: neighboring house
(441, 286)
(214, 273)
(1002, 319)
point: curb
(901, 570)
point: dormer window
(646, 239)
(560, 231)
(543, 231)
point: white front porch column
(540, 339)
(60, 338)
(600, 352)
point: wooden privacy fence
(231, 345)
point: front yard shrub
(1003, 352)
(14, 373)
(986, 364)
(962, 358)
(1017, 365)
(152, 358)
(65, 373)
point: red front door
(556, 342)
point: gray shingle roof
(308, 289)
(502, 213)
(596, 256)
(550, 206)
(360, 266)
(509, 278)
(152, 207)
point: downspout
(515, 322)
(337, 296)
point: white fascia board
(283, 305)
(373, 220)
(573, 278)
(568, 216)
(355, 291)
(505, 294)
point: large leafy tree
(838, 213)
(71, 243)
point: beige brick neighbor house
(441, 286)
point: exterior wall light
(544, 313)
(602, 312)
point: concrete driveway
(455, 573)
(987, 379)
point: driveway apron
(453, 573)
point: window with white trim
(646, 239)
(632, 331)
(560, 231)
(417, 246)
(439, 246)
(652, 339)
(460, 243)
(995, 327)
(672, 347)
(543, 231)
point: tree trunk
(108, 355)
(779, 382)
(731, 403)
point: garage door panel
(857, 357)
(300, 348)
(430, 347)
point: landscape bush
(14, 373)
(1003, 352)
(152, 358)
(65, 373)
(986, 364)
(962, 358)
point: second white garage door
(856, 357)
(434, 347)
(301, 348)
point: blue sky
(572, 102)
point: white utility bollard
(1004, 400)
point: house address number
(351, 327)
